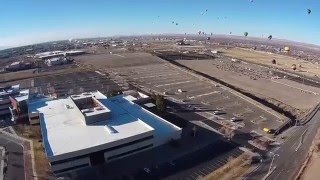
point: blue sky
(32, 21)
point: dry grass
(285, 62)
(19, 75)
(34, 134)
(235, 167)
(41, 162)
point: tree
(131, 48)
(153, 96)
(115, 92)
(274, 61)
(245, 34)
(294, 67)
(160, 103)
(229, 160)
(227, 132)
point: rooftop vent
(68, 106)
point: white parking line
(206, 170)
(182, 82)
(212, 166)
(198, 175)
(218, 163)
(119, 55)
(161, 75)
(206, 94)
(202, 173)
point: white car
(235, 119)
(217, 112)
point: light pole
(272, 161)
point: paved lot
(202, 96)
(75, 82)
(207, 167)
(162, 163)
(118, 60)
(257, 80)
(15, 159)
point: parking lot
(73, 83)
(201, 96)
(206, 168)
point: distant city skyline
(33, 21)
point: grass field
(284, 62)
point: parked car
(235, 119)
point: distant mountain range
(4, 47)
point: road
(291, 153)
(15, 162)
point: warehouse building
(89, 129)
(55, 54)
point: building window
(129, 152)
(71, 168)
(102, 151)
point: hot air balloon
(270, 37)
(177, 24)
(199, 32)
(230, 32)
(309, 11)
(172, 22)
(211, 34)
(245, 34)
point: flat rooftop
(64, 131)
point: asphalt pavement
(15, 170)
(291, 154)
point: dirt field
(118, 60)
(280, 91)
(308, 68)
(312, 171)
(31, 73)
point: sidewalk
(2, 162)
(29, 164)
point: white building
(58, 61)
(88, 129)
(53, 54)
